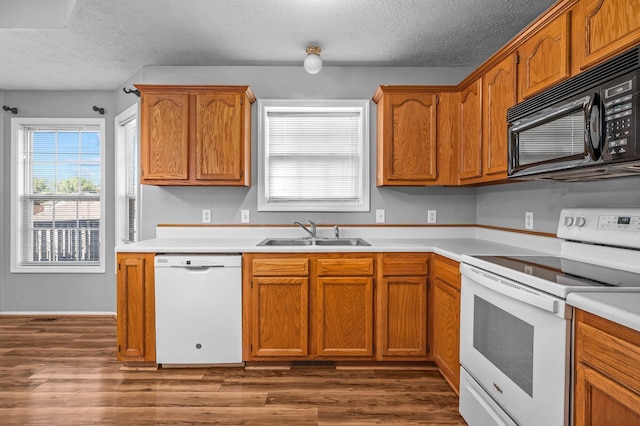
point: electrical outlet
(431, 216)
(380, 216)
(244, 216)
(206, 215)
(528, 220)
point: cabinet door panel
(345, 316)
(280, 316)
(219, 151)
(446, 336)
(136, 307)
(536, 70)
(470, 149)
(165, 130)
(403, 316)
(601, 401)
(606, 27)
(499, 94)
(410, 145)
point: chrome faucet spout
(313, 228)
(312, 232)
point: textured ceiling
(106, 42)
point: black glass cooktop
(565, 271)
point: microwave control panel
(620, 112)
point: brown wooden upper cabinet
(601, 29)
(470, 133)
(406, 135)
(543, 59)
(499, 93)
(195, 135)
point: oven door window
(559, 138)
(506, 341)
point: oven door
(515, 343)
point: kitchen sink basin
(313, 242)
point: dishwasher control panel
(197, 261)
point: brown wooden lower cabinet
(445, 293)
(402, 317)
(607, 386)
(344, 316)
(336, 306)
(280, 316)
(136, 330)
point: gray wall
(505, 205)
(402, 205)
(57, 292)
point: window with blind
(57, 204)
(314, 155)
(127, 183)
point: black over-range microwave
(585, 128)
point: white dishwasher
(198, 309)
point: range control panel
(621, 223)
(615, 227)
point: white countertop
(622, 308)
(450, 242)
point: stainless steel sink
(342, 242)
(313, 242)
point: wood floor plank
(52, 415)
(127, 386)
(265, 416)
(63, 371)
(167, 399)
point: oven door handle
(511, 289)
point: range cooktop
(566, 272)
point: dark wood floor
(63, 371)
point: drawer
(610, 348)
(280, 267)
(345, 266)
(395, 264)
(446, 270)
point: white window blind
(314, 155)
(130, 132)
(58, 182)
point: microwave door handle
(514, 291)
(594, 128)
(555, 113)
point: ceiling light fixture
(313, 62)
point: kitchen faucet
(313, 227)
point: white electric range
(516, 331)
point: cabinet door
(600, 401)
(136, 307)
(446, 334)
(402, 325)
(219, 139)
(470, 149)
(164, 135)
(344, 316)
(409, 148)
(499, 90)
(604, 28)
(280, 316)
(544, 58)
